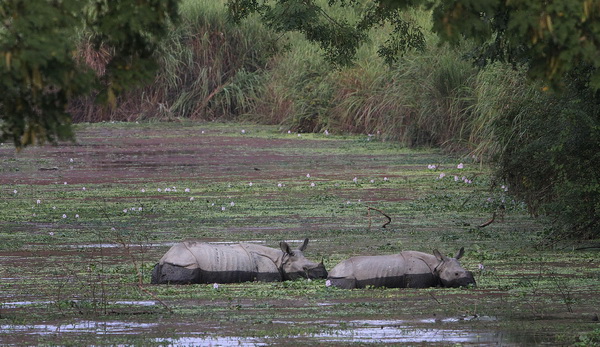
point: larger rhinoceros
(197, 262)
(408, 269)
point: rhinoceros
(197, 262)
(408, 269)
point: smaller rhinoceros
(197, 262)
(408, 269)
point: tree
(551, 38)
(40, 70)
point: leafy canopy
(40, 70)
(551, 38)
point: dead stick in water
(369, 208)
(489, 221)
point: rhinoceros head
(450, 272)
(296, 265)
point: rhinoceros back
(194, 262)
(392, 271)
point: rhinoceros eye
(456, 274)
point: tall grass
(209, 69)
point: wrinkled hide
(195, 262)
(408, 269)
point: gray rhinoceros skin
(196, 262)
(408, 269)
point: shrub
(550, 150)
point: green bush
(550, 150)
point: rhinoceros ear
(460, 253)
(303, 247)
(285, 247)
(439, 255)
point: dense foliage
(552, 163)
(39, 72)
(551, 38)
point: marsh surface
(82, 225)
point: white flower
(187, 190)
(65, 183)
(215, 285)
(372, 181)
(312, 184)
(222, 208)
(431, 167)
(167, 189)
(299, 135)
(442, 175)
(460, 166)
(54, 207)
(192, 198)
(326, 132)
(202, 132)
(139, 209)
(355, 179)
(71, 160)
(481, 267)
(455, 178)
(243, 131)
(64, 216)
(113, 229)
(232, 204)
(125, 210)
(289, 131)
(279, 185)
(143, 190)
(38, 201)
(51, 233)
(328, 283)
(160, 190)
(385, 179)
(76, 216)
(15, 191)
(250, 184)
(307, 175)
